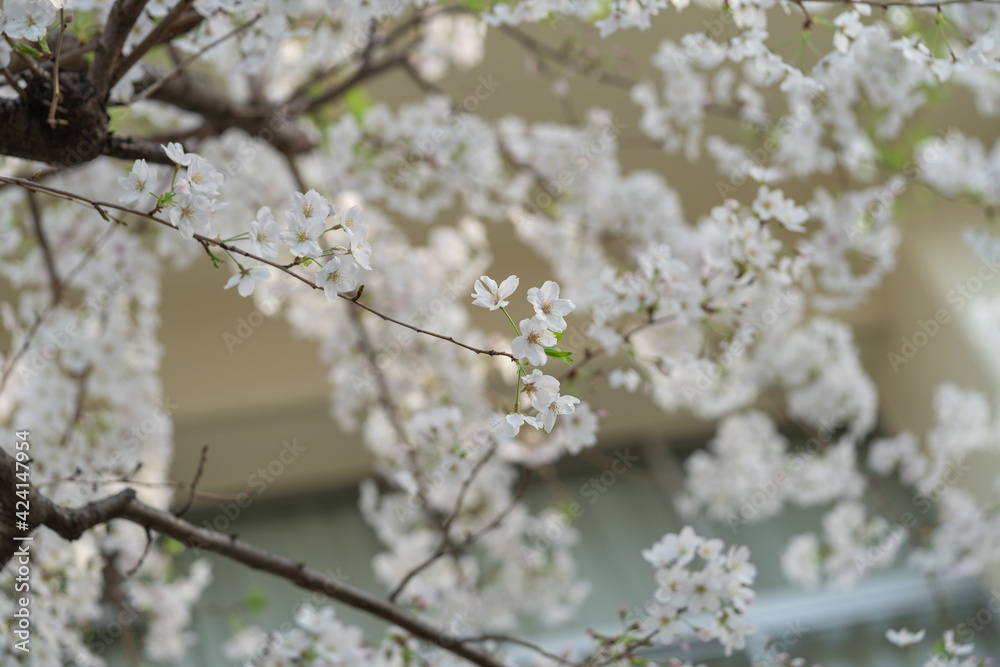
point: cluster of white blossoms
(319, 638)
(696, 577)
(853, 545)
(732, 313)
(307, 221)
(537, 341)
(947, 652)
(99, 422)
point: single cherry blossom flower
(337, 275)
(302, 235)
(548, 306)
(265, 233)
(561, 405)
(488, 295)
(903, 637)
(312, 206)
(534, 338)
(136, 183)
(540, 389)
(245, 279)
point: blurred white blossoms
(772, 204)
(903, 637)
(318, 638)
(694, 576)
(489, 295)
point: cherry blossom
(535, 337)
(337, 275)
(265, 234)
(245, 279)
(489, 295)
(137, 183)
(302, 234)
(549, 307)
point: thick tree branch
(123, 16)
(72, 523)
(192, 93)
(170, 26)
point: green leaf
(256, 601)
(556, 353)
(27, 50)
(172, 546)
(358, 101)
(558, 334)
(115, 116)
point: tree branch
(166, 29)
(123, 16)
(72, 523)
(102, 207)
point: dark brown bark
(80, 134)
(203, 97)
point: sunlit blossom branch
(102, 207)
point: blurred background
(247, 401)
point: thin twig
(12, 363)
(72, 523)
(50, 265)
(56, 95)
(179, 69)
(101, 206)
(508, 639)
(81, 399)
(464, 544)
(194, 482)
(142, 558)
